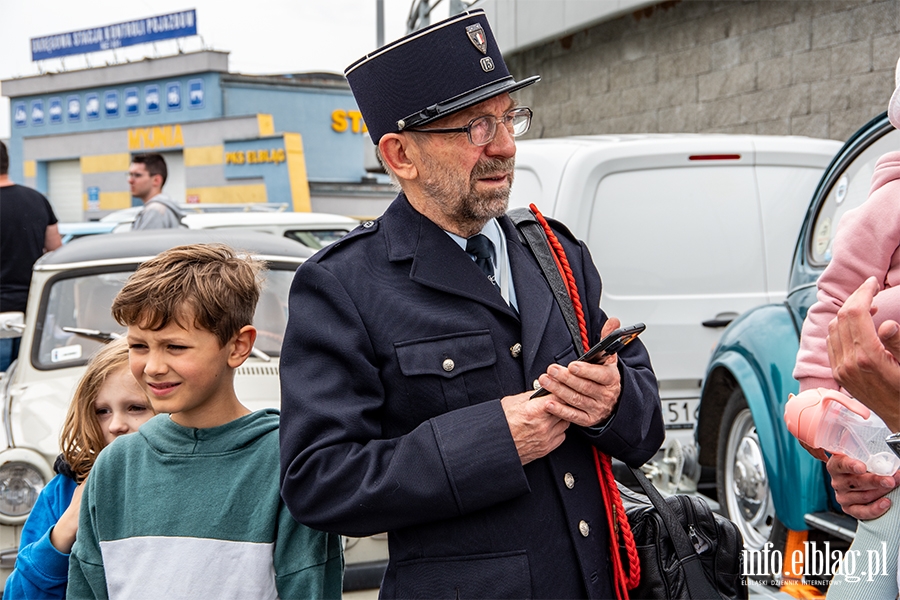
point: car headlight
(23, 474)
(20, 484)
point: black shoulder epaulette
(363, 229)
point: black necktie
(481, 248)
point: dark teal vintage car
(765, 481)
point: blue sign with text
(195, 93)
(132, 102)
(109, 37)
(173, 96)
(93, 194)
(111, 103)
(92, 106)
(37, 112)
(151, 98)
(20, 114)
(73, 108)
(56, 110)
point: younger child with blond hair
(107, 403)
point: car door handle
(721, 320)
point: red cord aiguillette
(615, 512)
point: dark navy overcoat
(396, 355)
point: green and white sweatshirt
(174, 512)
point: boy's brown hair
(207, 282)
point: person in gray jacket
(146, 178)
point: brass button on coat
(516, 350)
(569, 479)
(448, 364)
(584, 528)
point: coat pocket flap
(446, 355)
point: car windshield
(316, 238)
(75, 316)
(847, 193)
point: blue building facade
(297, 141)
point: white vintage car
(68, 318)
(312, 229)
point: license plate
(680, 413)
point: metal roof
(139, 245)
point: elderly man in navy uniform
(406, 373)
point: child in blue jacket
(108, 403)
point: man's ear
(157, 181)
(397, 153)
(241, 346)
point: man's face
(140, 181)
(469, 184)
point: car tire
(743, 484)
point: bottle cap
(803, 412)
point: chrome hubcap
(749, 499)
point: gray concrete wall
(819, 68)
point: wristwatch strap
(893, 442)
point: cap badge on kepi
(477, 37)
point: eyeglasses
(482, 130)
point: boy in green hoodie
(189, 507)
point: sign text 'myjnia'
(108, 37)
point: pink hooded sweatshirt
(867, 243)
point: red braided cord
(563, 262)
(619, 581)
(615, 510)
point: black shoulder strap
(697, 582)
(529, 228)
(534, 235)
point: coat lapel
(536, 302)
(437, 261)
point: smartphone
(609, 345)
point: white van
(687, 231)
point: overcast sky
(263, 36)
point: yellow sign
(147, 138)
(253, 157)
(342, 120)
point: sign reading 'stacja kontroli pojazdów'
(109, 37)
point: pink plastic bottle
(833, 421)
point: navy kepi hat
(429, 74)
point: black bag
(701, 558)
(706, 566)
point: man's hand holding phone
(585, 394)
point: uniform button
(448, 364)
(570, 480)
(516, 350)
(368, 224)
(536, 385)
(584, 528)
